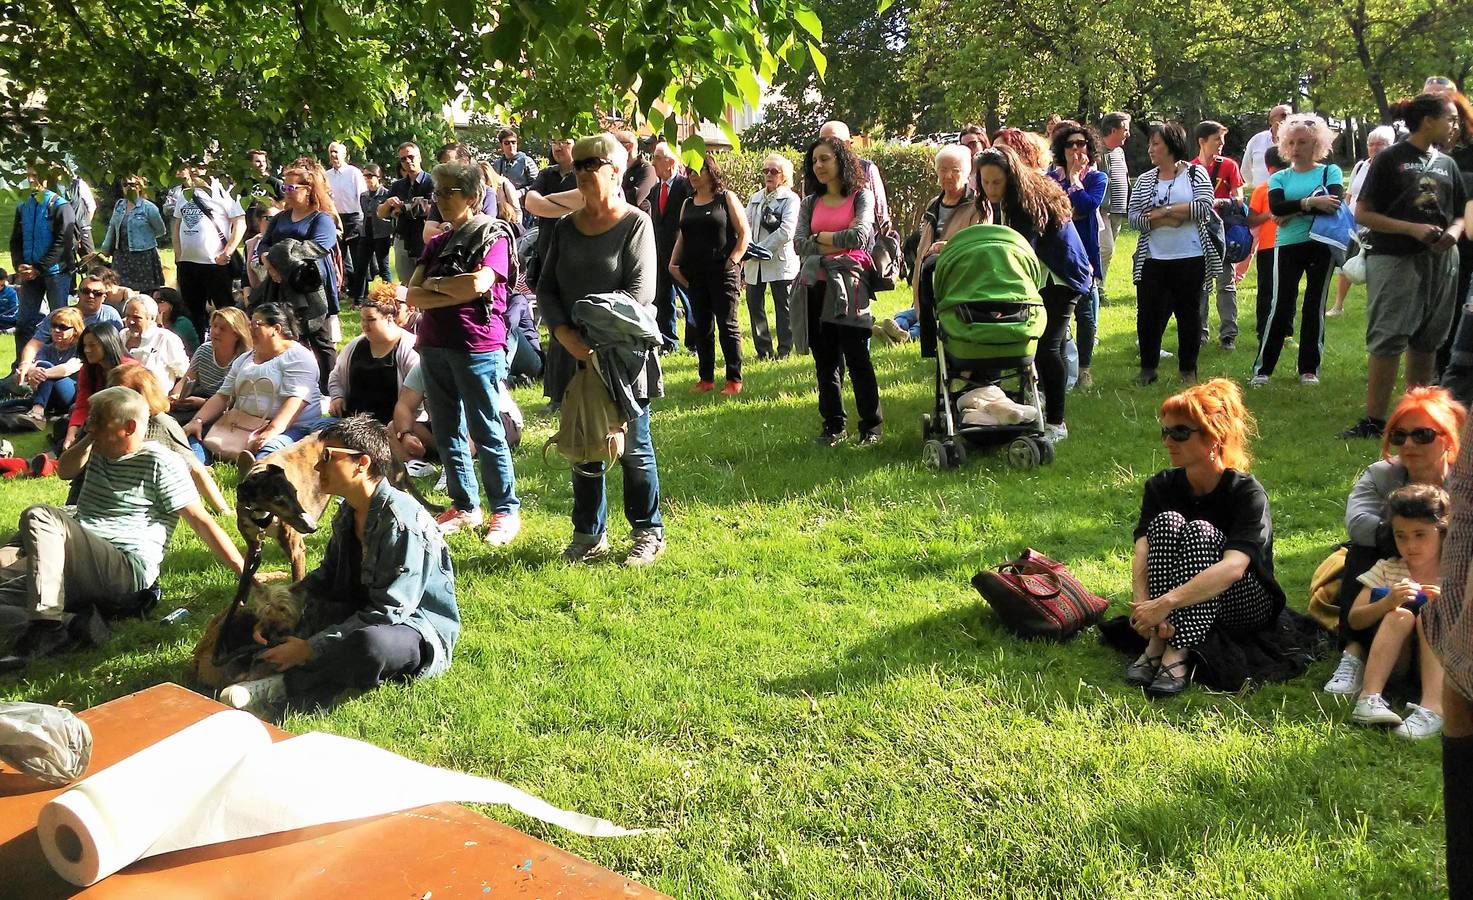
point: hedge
(908, 170)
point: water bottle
(175, 617)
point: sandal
(1143, 671)
(1171, 680)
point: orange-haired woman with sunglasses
(1419, 446)
(1204, 542)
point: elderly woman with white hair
(772, 217)
(1381, 137)
(948, 212)
(1303, 189)
(605, 248)
(160, 350)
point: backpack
(590, 428)
(1236, 233)
(1216, 230)
(889, 261)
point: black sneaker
(1229, 344)
(869, 438)
(43, 638)
(828, 438)
(1367, 427)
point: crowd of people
(147, 385)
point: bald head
(1276, 117)
(835, 129)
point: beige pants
(54, 559)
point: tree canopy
(139, 84)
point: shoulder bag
(1036, 597)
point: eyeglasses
(292, 188)
(443, 193)
(1179, 433)
(257, 323)
(89, 292)
(591, 164)
(772, 171)
(1079, 143)
(1423, 436)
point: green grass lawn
(809, 695)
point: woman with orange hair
(1204, 556)
(1424, 434)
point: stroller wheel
(1045, 451)
(1023, 454)
(925, 426)
(934, 455)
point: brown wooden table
(438, 852)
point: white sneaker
(585, 548)
(263, 698)
(1258, 381)
(418, 468)
(1347, 677)
(1422, 723)
(1372, 710)
(1309, 378)
(504, 528)
(442, 486)
(1055, 433)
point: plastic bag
(45, 742)
(1355, 268)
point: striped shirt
(208, 374)
(133, 503)
(1118, 193)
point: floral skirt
(139, 270)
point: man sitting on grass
(381, 606)
(133, 493)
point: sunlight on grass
(808, 693)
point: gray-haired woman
(772, 217)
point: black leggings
(714, 293)
(1309, 260)
(1170, 287)
(835, 347)
(1053, 369)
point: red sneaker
(732, 387)
(703, 387)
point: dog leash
(220, 658)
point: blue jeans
(1087, 315)
(55, 394)
(37, 296)
(461, 396)
(295, 432)
(641, 485)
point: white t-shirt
(202, 236)
(259, 389)
(347, 186)
(1254, 169)
(162, 353)
(1177, 241)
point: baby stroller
(989, 317)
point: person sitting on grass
(170, 303)
(53, 373)
(381, 606)
(9, 303)
(133, 493)
(90, 303)
(230, 338)
(1204, 541)
(1390, 606)
(372, 367)
(101, 352)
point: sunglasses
(591, 164)
(1073, 144)
(1179, 433)
(407, 158)
(1423, 436)
(772, 171)
(327, 453)
(88, 292)
(292, 188)
(61, 329)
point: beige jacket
(965, 215)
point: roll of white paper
(222, 779)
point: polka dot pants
(1176, 552)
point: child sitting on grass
(1395, 591)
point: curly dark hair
(712, 170)
(1067, 130)
(1033, 202)
(1420, 107)
(851, 175)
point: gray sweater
(620, 260)
(1367, 504)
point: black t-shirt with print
(1407, 184)
(1238, 507)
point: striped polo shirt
(133, 503)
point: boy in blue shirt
(9, 303)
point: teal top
(1296, 186)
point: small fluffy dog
(277, 608)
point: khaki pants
(1110, 224)
(53, 560)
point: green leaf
(462, 13)
(747, 87)
(820, 62)
(710, 99)
(587, 45)
(884, 5)
(505, 43)
(693, 151)
(808, 20)
(338, 19)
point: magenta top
(476, 326)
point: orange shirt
(1268, 232)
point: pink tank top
(837, 218)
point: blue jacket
(1086, 200)
(145, 226)
(401, 574)
(1063, 254)
(44, 233)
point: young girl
(1395, 591)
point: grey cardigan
(860, 235)
(1367, 504)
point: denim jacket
(145, 226)
(405, 577)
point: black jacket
(667, 224)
